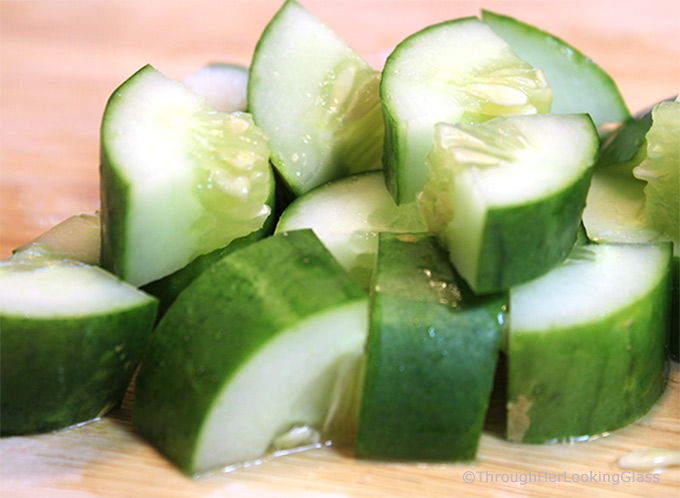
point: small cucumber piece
(586, 342)
(250, 350)
(72, 335)
(431, 356)
(316, 99)
(578, 84)
(77, 237)
(178, 179)
(223, 86)
(456, 71)
(347, 215)
(506, 196)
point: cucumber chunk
(578, 84)
(586, 342)
(223, 86)
(251, 349)
(178, 179)
(316, 99)
(77, 237)
(457, 71)
(506, 197)
(72, 335)
(347, 215)
(431, 356)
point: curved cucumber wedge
(457, 71)
(72, 335)
(586, 342)
(178, 179)
(347, 215)
(316, 99)
(223, 86)
(250, 350)
(431, 356)
(578, 84)
(506, 197)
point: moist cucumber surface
(347, 215)
(431, 356)
(178, 179)
(578, 84)
(316, 98)
(506, 196)
(457, 71)
(72, 335)
(586, 342)
(250, 350)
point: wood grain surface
(60, 61)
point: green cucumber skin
(505, 252)
(168, 288)
(82, 367)
(573, 396)
(114, 200)
(391, 157)
(430, 366)
(259, 273)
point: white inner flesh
(589, 288)
(615, 211)
(224, 86)
(413, 87)
(559, 150)
(295, 60)
(288, 382)
(63, 290)
(148, 138)
(347, 214)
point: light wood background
(60, 61)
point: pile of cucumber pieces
(348, 260)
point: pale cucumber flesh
(287, 383)
(316, 98)
(223, 86)
(347, 215)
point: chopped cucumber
(617, 208)
(578, 84)
(250, 350)
(71, 336)
(586, 342)
(347, 215)
(431, 356)
(506, 197)
(457, 71)
(168, 288)
(223, 86)
(178, 179)
(316, 99)
(77, 237)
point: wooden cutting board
(59, 62)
